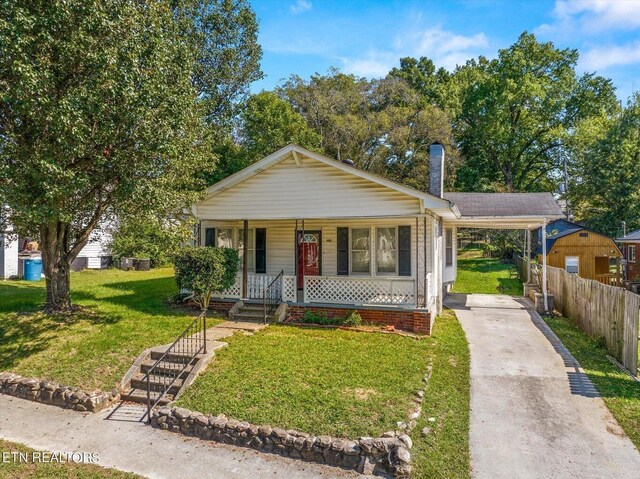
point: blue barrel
(32, 269)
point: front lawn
(484, 275)
(444, 452)
(123, 314)
(20, 470)
(322, 381)
(620, 393)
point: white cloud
(300, 6)
(601, 58)
(593, 16)
(445, 48)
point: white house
(95, 255)
(332, 237)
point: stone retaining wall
(413, 320)
(388, 454)
(48, 392)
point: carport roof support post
(544, 266)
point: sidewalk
(135, 447)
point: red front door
(309, 251)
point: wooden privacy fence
(600, 311)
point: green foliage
(150, 237)
(605, 176)
(316, 317)
(383, 126)
(269, 123)
(99, 117)
(205, 270)
(515, 112)
(352, 318)
(223, 36)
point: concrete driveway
(534, 413)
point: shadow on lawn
(147, 296)
(25, 334)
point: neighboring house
(95, 255)
(8, 255)
(630, 246)
(580, 250)
(343, 238)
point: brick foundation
(413, 320)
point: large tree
(98, 116)
(604, 186)
(224, 37)
(514, 113)
(383, 126)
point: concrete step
(166, 369)
(140, 396)
(242, 316)
(139, 381)
(252, 306)
(177, 358)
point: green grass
(484, 275)
(322, 381)
(18, 470)
(445, 452)
(123, 314)
(621, 394)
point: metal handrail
(272, 295)
(193, 341)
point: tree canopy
(106, 109)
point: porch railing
(175, 360)
(272, 295)
(256, 283)
(355, 290)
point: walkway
(135, 447)
(534, 413)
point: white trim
(430, 202)
(634, 253)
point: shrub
(352, 318)
(205, 270)
(316, 317)
(149, 237)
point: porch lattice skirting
(351, 290)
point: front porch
(339, 290)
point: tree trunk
(56, 262)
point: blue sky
(368, 37)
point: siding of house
(281, 240)
(96, 249)
(311, 190)
(633, 267)
(8, 257)
(587, 248)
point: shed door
(309, 253)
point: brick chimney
(436, 169)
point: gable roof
(633, 237)
(440, 206)
(562, 228)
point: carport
(513, 211)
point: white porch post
(528, 263)
(544, 265)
